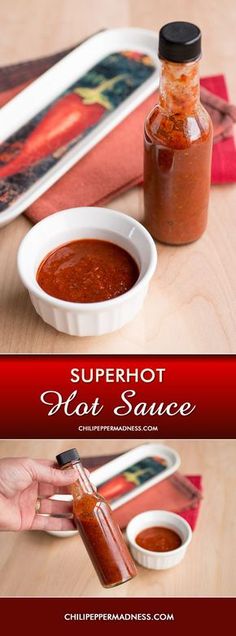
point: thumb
(48, 474)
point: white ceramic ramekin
(87, 319)
(163, 518)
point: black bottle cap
(180, 42)
(67, 456)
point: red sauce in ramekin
(87, 271)
(158, 539)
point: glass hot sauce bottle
(99, 531)
(177, 142)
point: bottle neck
(179, 87)
(82, 483)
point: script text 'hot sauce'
(178, 142)
(99, 531)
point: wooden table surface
(36, 564)
(190, 307)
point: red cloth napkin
(191, 515)
(177, 494)
(224, 152)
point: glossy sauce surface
(158, 539)
(87, 271)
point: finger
(47, 490)
(46, 462)
(43, 473)
(53, 464)
(42, 522)
(55, 507)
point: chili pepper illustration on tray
(131, 478)
(66, 119)
(32, 150)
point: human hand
(25, 487)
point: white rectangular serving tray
(57, 79)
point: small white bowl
(87, 319)
(165, 519)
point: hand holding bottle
(25, 487)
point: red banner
(117, 396)
(74, 615)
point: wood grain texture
(36, 564)
(190, 307)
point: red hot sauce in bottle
(178, 142)
(99, 531)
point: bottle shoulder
(178, 130)
(89, 501)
